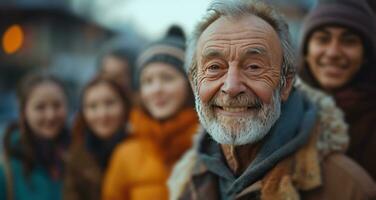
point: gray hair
(236, 9)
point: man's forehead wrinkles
(253, 30)
(209, 48)
(255, 51)
(253, 42)
(245, 30)
(214, 50)
(210, 52)
(237, 37)
(216, 43)
(226, 32)
(247, 41)
(235, 41)
(253, 45)
(242, 42)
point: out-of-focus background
(65, 37)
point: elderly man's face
(238, 79)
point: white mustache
(238, 101)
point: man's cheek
(263, 87)
(207, 89)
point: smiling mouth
(235, 111)
(337, 65)
(334, 71)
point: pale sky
(150, 17)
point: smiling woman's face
(103, 110)
(46, 110)
(164, 90)
(334, 56)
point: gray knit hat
(170, 50)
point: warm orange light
(12, 39)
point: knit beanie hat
(169, 50)
(354, 14)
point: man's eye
(214, 67)
(253, 67)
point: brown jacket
(318, 170)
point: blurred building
(44, 34)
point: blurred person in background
(338, 56)
(117, 62)
(100, 125)
(162, 126)
(32, 162)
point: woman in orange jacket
(163, 125)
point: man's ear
(285, 91)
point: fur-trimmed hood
(334, 136)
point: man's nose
(233, 84)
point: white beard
(239, 131)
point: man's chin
(236, 141)
(235, 135)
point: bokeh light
(13, 39)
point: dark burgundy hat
(354, 14)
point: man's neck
(238, 158)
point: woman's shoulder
(131, 146)
(133, 151)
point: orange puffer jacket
(141, 165)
